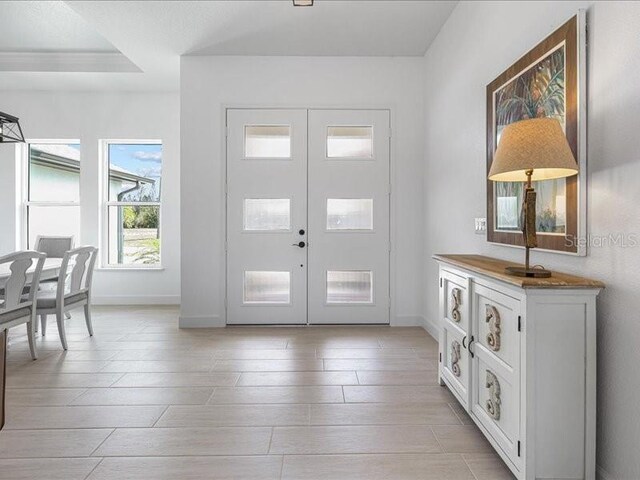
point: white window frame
(105, 203)
(24, 188)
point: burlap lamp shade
(537, 144)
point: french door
(266, 213)
(307, 216)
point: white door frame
(394, 320)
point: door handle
(469, 347)
(299, 244)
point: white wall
(208, 84)
(479, 41)
(91, 117)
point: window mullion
(46, 203)
(133, 204)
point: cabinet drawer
(456, 300)
(496, 405)
(456, 365)
(496, 324)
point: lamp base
(528, 272)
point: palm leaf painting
(537, 92)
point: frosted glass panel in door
(267, 214)
(349, 287)
(349, 214)
(267, 141)
(267, 287)
(350, 142)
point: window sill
(130, 269)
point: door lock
(299, 244)
(301, 232)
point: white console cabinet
(519, 354)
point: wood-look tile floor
(143, 400)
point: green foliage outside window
(140, 217)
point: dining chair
(17, 308)
(73, 290)
(54, 246)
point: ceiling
(136, 45)
(47, 27)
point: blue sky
(143, 160)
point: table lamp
(532, 150)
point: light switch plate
(481, 226)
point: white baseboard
(602, 474)
(206, 321)
(215, 321)
(135, 300)
(407, 321)
(431, 328)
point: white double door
(307, 216)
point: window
(132, 190)
(52, 203)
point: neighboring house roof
(65, 157)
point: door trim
(394, 319)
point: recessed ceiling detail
(51, 37)
(66, 62)
(47, 27)
(150, 36)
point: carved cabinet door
(454, 336)
(496, 381)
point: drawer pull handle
(471, 351)
(455, 358)
(494, 401)
(492, 317)
(456, 300)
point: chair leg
(43, 324)
(31, 335)
(60, 321)
(87, 318)
(35, 325)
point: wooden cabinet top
(494, 268)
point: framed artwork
(548, 81)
